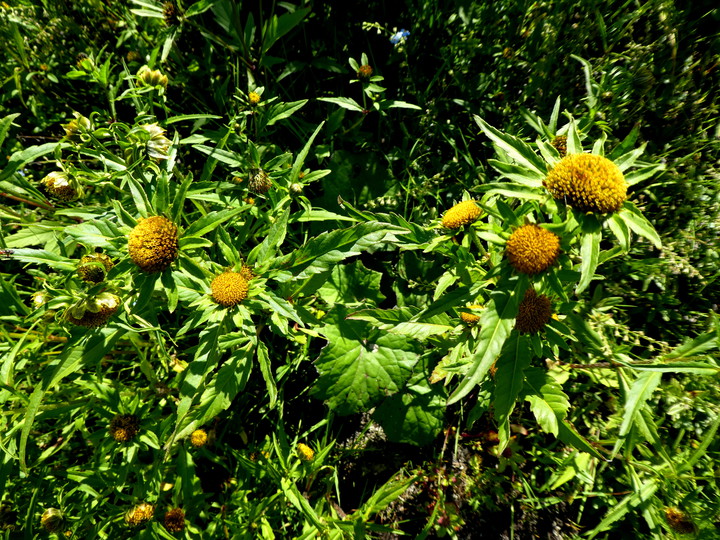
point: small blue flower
(399, 37)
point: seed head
(588, 182)
(52, 520)
(534, 312)
(259, 181)
(679, 521)
(305, 452)
(253, 98)
(95, 311)
(139, 514)
(59, 185)
(365, 72)
(153, 244)
(469, 316)
(560, 144)
(229, 288)
(461, 214)
(92, 268)
(174, 520)
(124, 427)
(199, 438)
(532, 249)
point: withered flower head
(534, 312)
(58, 184)
(92, 268)
(124, 427)
(259, 181)
(52, 520)
(94, 311)
(174, 520)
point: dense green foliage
(293, 271)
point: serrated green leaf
(638, 394)
(496, 323)
(267, 373)
(414, 416)
(352, 284)
(398, 321)
(547, 400)
(361, 365)
(41, 256)
(569, 435)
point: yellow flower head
(59, 185)
(534, 312)
(92, 268)
(588, 182)
(174, 520)
(365, 72)
(461, 214)
(229, 288)
(139, 514)
(532, 249)
(253, 98)
(305, 452)
(469, 316)
(153, 244)
(93, 312)
(52, 520)
(199, 438)
(124, 427)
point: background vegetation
(345, 397)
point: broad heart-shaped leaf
(352, 283)
(496, 323)
(509, 378)
(548, 402)
(415, 415)
(361, 365)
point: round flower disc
(229, 288)
(532, 249)
(534, 313)
(588, 182)
(153, 244)
(461, 214)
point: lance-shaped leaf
(634, 219)
(361, 365)
(398, 321)
(509, 379)
(637, 396)
(589, 251)
(496, 322)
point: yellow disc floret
(461, 214)
(588, 182)
(153, 244)
(229, 288)
(124, 427)
(305, 452)
(198, 438)
(142, 513)
(532, 249)
(534, 313)
(468, 316)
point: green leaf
(643, 173)
(620, 510)
(267, 373)
(345, 103)
(23, 157)
(210, 221)
(235, 160)
(5, 125)
(352, 283)
(694, 347)
(384, 496)
(569, 435)
(515, 148)
(574, 146)
(200, 7)
(361, 365)
(302, 155)
(81, 349)
(272, 242)
(398, 321)
(41, 256)
(276, 27)
(414, 416)
(509, 378)
(514, 191)
(496, 323)
(517, 173)
(589, 251)
(637, 396)
(547, 401)
(634, 219)
(282, 110)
